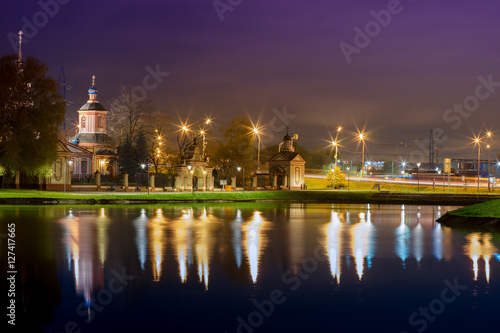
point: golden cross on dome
(93, 80)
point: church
(92, 137)
(90, 150)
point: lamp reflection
(157, 239)
(183, 239)
(254, 243)
(360, 243)
(140, 224)
(478, 246)
(202, 248)
(236, 227)
(402, 238)
(334, 245)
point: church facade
(92, 136)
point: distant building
(195, 173)
(286, 167)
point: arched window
(83, 122)
(84, 166)
(99, 124)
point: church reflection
(83, 233)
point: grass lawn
(197, 196)
(485, 209)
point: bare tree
(127, 115)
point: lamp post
(348, 168)
(403, 173)
(256, 131)
(191, 173)
(333, 179)
(239, 169)
(143, 166)
(489, 167)
(478, 160)
(439, 172)
(335, 143)
(362, 139)
(418, 177)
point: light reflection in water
(360, 243)
(157, 241)
(102, 235)
(236, 228)
(334, 245)
(202, 247)
(141, 241)
(254, 243)
(403, 238)
(79, 239)
(479, 245)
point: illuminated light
(159, 138)
(202, 132)
(339, 129)
(184, 128)
(256, 131)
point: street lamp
(348, 168)
(362, 139)
(418, 177)
(478, 160)
(439, 172)
(191, 173)
(403, 173)
(256, 131)
(239, 169)
(143, 166)
(335, 143)
(333, 179)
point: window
(99, 122)
(83, 122)
(84, 167)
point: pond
(247, 267)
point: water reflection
(480, 245)
(254, 243)
(80, 233)
(334, 245)
(191, 236)
(141, 240)
(360, 243)
(158, 241)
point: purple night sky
(266, 55)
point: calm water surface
(251, 268)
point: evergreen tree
(141, 149)
(31, 112)
(127, 157)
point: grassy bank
(489, 209)
(483, 216)
(196, 196)
(33, 197)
